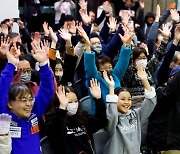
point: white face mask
(143, 62)
(26, 77)
(72, 108)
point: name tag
(15, 132)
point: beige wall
(164, 4)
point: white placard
(8, 9)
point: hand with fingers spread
(40, 51)
(95, 88)
(63, 100)
(13, 55)
(5, 44)
(158, 13)
(46, 29)
(174, 15)
(112, 24)
(110, 82)
(65, 34)
(166, 30)
(85, 17)
(127, 38)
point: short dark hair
(18, 89)
(102, 59)
(137, 51)
(69, 18)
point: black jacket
(164, 122)
(68, 135)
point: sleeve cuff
(150, 94)
(111, 98)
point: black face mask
(109, 73)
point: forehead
(24, 64)
(71, 96)
(58, 66)
(91, 13)
(105, 64)
(124, 94)
(95, 39)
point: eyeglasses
(25, 100)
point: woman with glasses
(17, 100)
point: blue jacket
(24, 132)
(117, 73)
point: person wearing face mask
(24, 73)
(132, 81)
(68, 130)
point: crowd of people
(122, 65)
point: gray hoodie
(125, 129)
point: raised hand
(95, 88)
(128, 33)
(166, 30)
(5, 43)
(53, 35)
(109, 80)
(83, 34)
(64, 34)
(141, 4)
(158, 13)
(141, 72)
(40, 51)
(46, 29)
(112, 23)
(174, 15)
(13, 55)
(63, 100)
(143, 77)
(125, 17)
(83, 4)
(85, 17)
(106, 6)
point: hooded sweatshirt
(125, 129)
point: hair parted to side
(18, 89)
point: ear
(10, 105)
